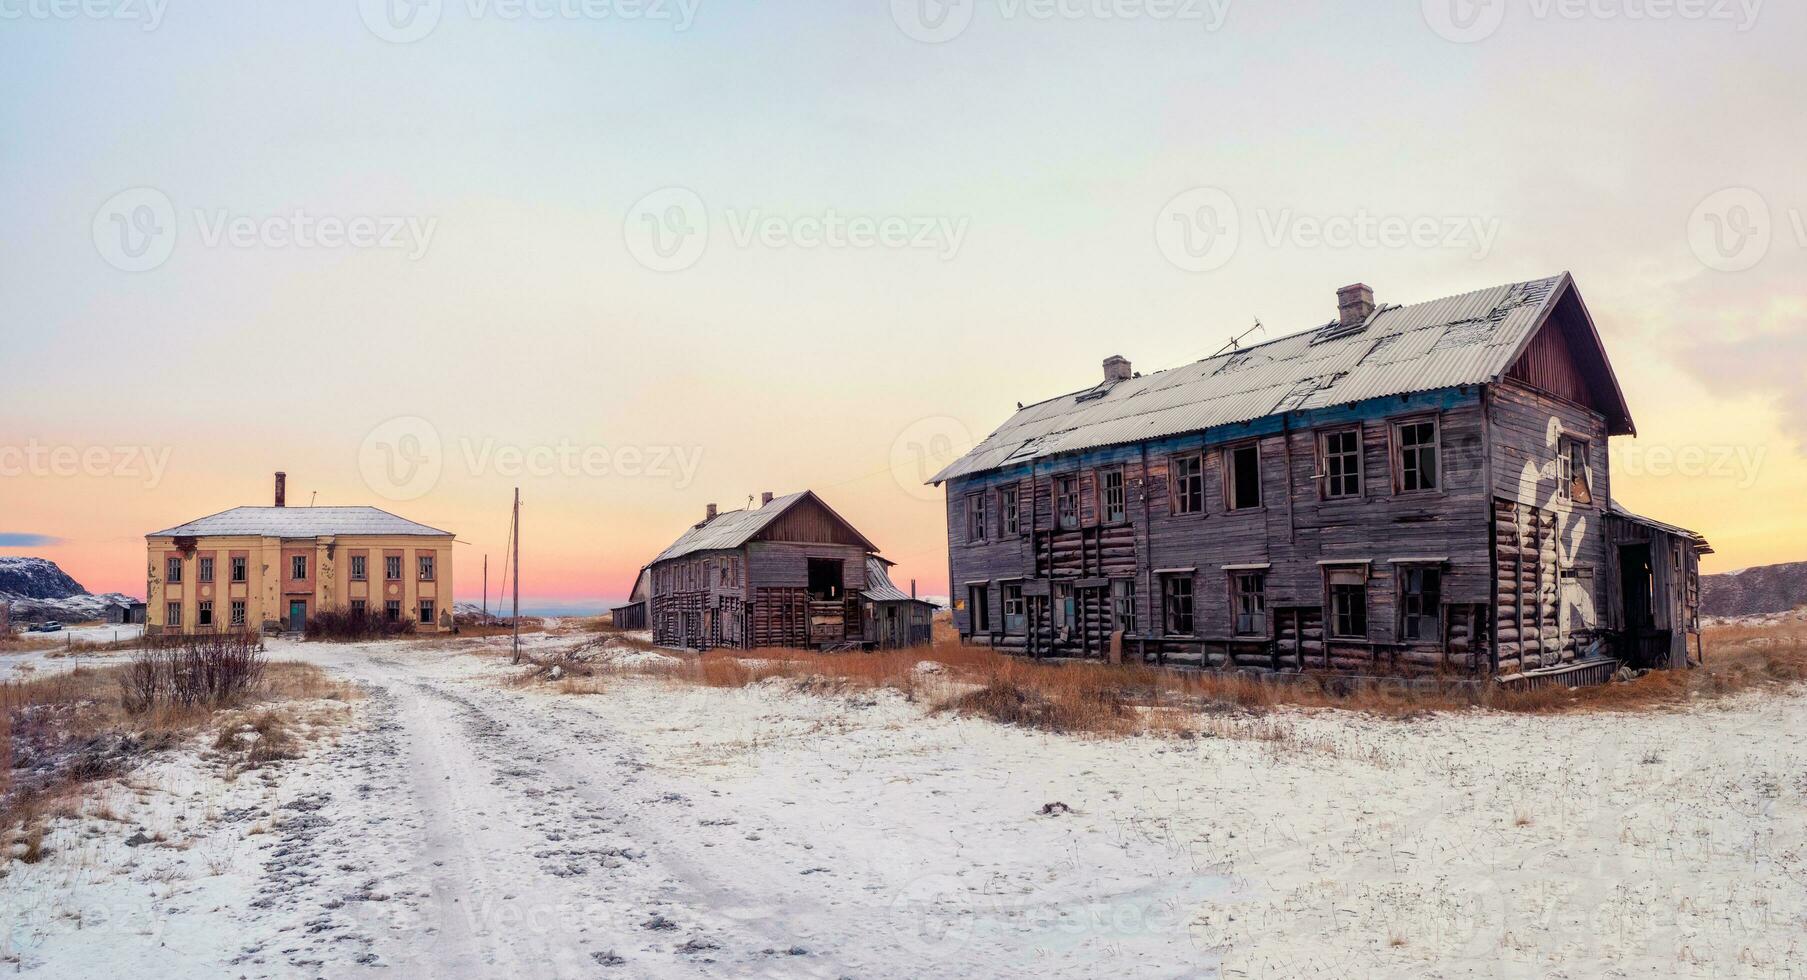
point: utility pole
(486, 589)
(517, 574)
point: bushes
(190, 671)
(351, 626)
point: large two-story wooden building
(788, 573)
(1418, 489)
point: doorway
(298, 615)
(1637, 590)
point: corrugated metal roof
(1460, 340)
(299, 522)
(878, 583)
(728, 531)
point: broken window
(392, 567)
(1421, 605)
(358, 607)
(238, 569)
(1112, 505)
(426, 612)
(1067, 506)
(1188, 485)
(1574, 478)
(426, 568)
(1348, 590)
(825, 579)
(392, 611)
(1249, 592)
(1015, 619)
(204, 613)
(1123, 605)
(1342, 464)
(1416, 445)
(1177, 593)
(238, 612)
(1242, 480)
(1012, 524)
(975, 517)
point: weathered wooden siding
(1292, 532)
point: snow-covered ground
(465, 827)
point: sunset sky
(418, 271)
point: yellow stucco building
(270, 568)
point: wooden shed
(633, 615)
(788, 573)
(893, 618)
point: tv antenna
(1235, 343)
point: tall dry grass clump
(210, 670)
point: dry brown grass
(1115, 700)
(79, 720)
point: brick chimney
(1116, 368)
(709, 515)
(765, 498)
(1354, 304)
(282, 489)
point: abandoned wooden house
(788, 573)
(1407, 490)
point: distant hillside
(35, 589)
(1761, 591)
(36, 578)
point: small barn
(788, 573)
(633, 615)
(893, 618)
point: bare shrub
(204, 670)
(348, 625)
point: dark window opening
(975, 517)
(1421, 602)
(1349, 611)
(1067, 490)
(1123, 605)
(1250, 593)
(825, 583)
(1114, 508)
(238, 569)
(1177, 590)
(1012, 523)
(1245, 477)
(979, 608)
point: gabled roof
(737, 527)
(1616, 509)
(1462, 340)
(878, 584)
(298, 522)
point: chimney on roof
(1354, 304)
(282, 489)
(709, 515)
(1116, 368)
(765, 498)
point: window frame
(1101, 482)
(172, 570)
(426, 612)
(1231, 470)
(239, 567)
(392, 611)
(1361, 465)
(204, 613)
(1176, 495)
(427, 566)
(360, 607)
(1238, 596)
(172, 614)
(397, 576)
(236, 612)
(1333, 616)
(978, 599)
(1122, 605)
(976, 518)
(1066, 502)
(1398, 451)
(1021, 628)
(1010, 509)
(1169, 600)
(204, 569)
(298, 562)
(1566, 447)
(1406, 599)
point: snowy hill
(36, 590)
